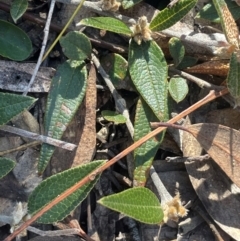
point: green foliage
(169, 16)
(55, 185)
(6, 165)
(76, 46)
(107, 23)
(139, 203)
(209, 11)
(113, 117)
(65, 95)
(233, 79)
(144, 155)
(116, 67)
(177, 50)
(148, 70)
(178, 88)
(12, 105)
(187, 61)
(18, 8)
(14, 43)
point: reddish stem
(211, 96)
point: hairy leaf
(188, 61)
(139, 203)
(113, 117)
(14, 43)
(107, 23)
(178, 88)
(12, 105)
(6, 165)
(233, 79)
(66, 93)
(177, 50)
(116, 67)
(169, 16)
(55, 185)
(76, 46)
(144, 155)
(148, 70)
(18, 8)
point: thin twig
(188, 159)
(20, 148)
(35, 136)
(91, 176)
(161, 189)
(64, 29)
(46, 32)
(119, 101)
(65, 232)
(200, 82)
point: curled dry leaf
(222, 144)
(220, 197)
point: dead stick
(211, 96)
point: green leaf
(188, 61)
(117, 69)
(139, 203)
(233, 79)
(178, 88)
(148, 70)
(115, 66)
(66, 93)
(129, 3)
(169, 16)
(177, 50)
(144, 155)
(55, 185)
(18, 8)
(12, 105)
(113, 117)
(14, 43)
(6, 165)
(209, 11)
(76, 46)
(107, 23)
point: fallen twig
(35, 136)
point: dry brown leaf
(222, 144)
(86, 146)
(217, 67)
(214, 191)
(228, 117)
